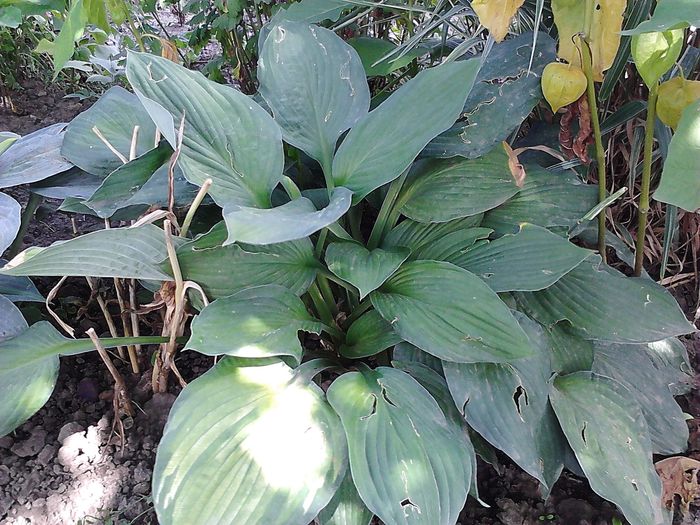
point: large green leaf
(463, 187)
(546, 199)
(450, 313)
(18, 289)
(605, 305)
(410, 463)
(367, 336)
(607, 431)
(373, 52)
(248, 442)
(311, 11)
(680, 181)
(315, 85)
(10, 215)
(366, 270)
(508, 405)
(29, 363)
(114, 115)
(506, 90)
(294, 220)
(124, 252)
(570, 353)
(219, 124)
(71, 31)
(406, 352)
(385, 142)
(211, 265)
(346, 507)
(419, 237)
(530, 260)
(258, 322)
(670, 14)
(125, 182)
(656, 53)
(33, 157)
(648, 381)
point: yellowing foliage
(495, 15)
(605, 23)
(562, 84)
(674, 96)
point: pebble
(142, 488)
(30, 446)
(4, 475)
(6, 442)
(69, 429)
(46, 455)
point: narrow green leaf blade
(245, 443)
(413, 301)
(10, 215)
(368, 336)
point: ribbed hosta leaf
(315, 85)
(546, 199)
(414, 302)
(208, 263)
(409, 462)
(10, 212)
(248, 442)
(346, 507)
(606, 429)
(33, 157)
(19, 289)
(605, 305)
(366, 270)
(114, 115)
(508, 405)
(420, 237)
(294, 220)
(367, 336)
(406, 352)
(124, 252)
(219, 124)
(258, 322)
(463, 187)
(530, 260)
(649, 382)
(385, 142)
(570, 353)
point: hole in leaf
(374, 408)
(583, 432)
(386, 398)
(408, 503)
(520, 395)
(597, 7)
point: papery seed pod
(562, 84)
(674, 96)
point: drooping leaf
(315, 85)
(656, 53)
(18, 289)
(114, 116)
(366, 270)
(373, 52)
(10, 215)
(208, 263)
(603, 304)
(507, 404)
(605, 24)
(675, 96)
(413, 301)
(33, 157)
(72, 183)
(530, 260)
(257, 322)
(219, 122)
(124, 252)
(346, 507)
(633, 367)
(294, 220)
(463, 187)
(607, 431)
(71, 31)
(670, 14)
(409, 462)
(495, 15)
(562, 84)
(367, 336)
(546, 199)
(362, 163)
(680, 181)
(248, 442)
(505, 92)
(125, 182)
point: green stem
(291, 188)
(334, 278)
(322, 308)
(194, 207)
(600, 150)
(385, 211)
(646, 180)
(357, 312)
(327, 293)
(135, 32)
(320, 243)
(27, 214)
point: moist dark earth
(67, 465)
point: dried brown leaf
(679, 476)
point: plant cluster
(448, 302)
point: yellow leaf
(679, 477)
(562, 84)
(674, 96)
(495, 15)
(605, 26)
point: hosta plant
(382, 315)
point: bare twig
(105, 313)
(69, 330)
